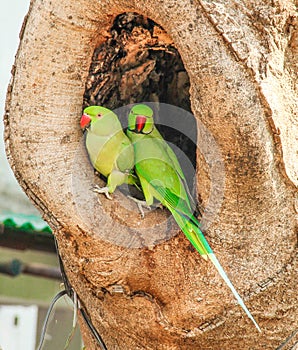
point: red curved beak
(140, 121)
(85, 120)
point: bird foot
(104, 190)
(141, 204)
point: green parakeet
(110, 151)
(161, 177)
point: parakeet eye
(99, 115)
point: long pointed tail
(221, 271)
(198, 240)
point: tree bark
(242, 59)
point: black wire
(45, 324)
(70, 292)
(85, 317)
(93, 330)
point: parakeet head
(93, 113)
(140, 119)
(100, 121)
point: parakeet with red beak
(110, 151)
(161, 177)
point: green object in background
(21, 232)
(24, 222)
(32, 241)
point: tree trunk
(241, 59)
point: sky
(12, 13)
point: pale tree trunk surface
(241, 58)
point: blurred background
(29, 269)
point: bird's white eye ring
(99, 115)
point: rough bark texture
(241, 58)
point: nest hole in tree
(139, 63)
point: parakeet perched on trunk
(110, 151)
(161, 177)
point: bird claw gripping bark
(140, 204)
(105, 190)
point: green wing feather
(175, 163)
(170, 153)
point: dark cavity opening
(139, 63)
